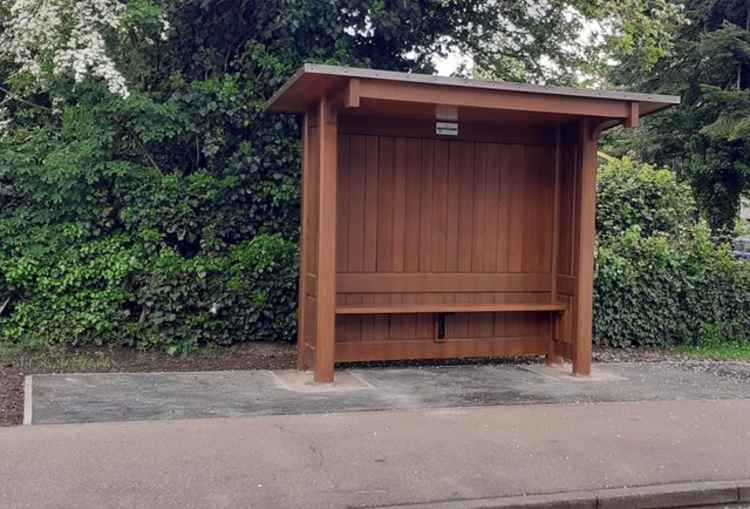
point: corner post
(552, 357)
(326, 304)
(589, 136)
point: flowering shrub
(71, 37)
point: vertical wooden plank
(425, 190)
(399, 204)
(575, 166)
(587, 227)
(500, 327)
(533, 210)
(549, 216)
(552, 357)
(302, 321)
(538, 225)
(326, 305)
(342, 204)
(369, 330)
(452, 231)
(504, 192)
(344, 325)
(492, 207)
(413, 204)
(467, 192)
(516, 193)
(479, 220)
(356, 201)
(381, 324)
(440, 206)
(352, 330)
(369, 263)
(406, 326)
(386, 153)
(385, 205)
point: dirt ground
(259, 355)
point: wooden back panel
(428, 220)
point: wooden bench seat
(391, 309)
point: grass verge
(730, 350)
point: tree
(146, 197)
(707, 139)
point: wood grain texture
(490, 230)
(440, 224)
(450, 349)
(444, 206)
(369, 309)
(585, 250)
(328, 155)
(490, 99)
(302, 331)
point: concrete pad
(105, 397)
(302, 381)
(375, 459)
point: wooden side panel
(307, 319)
(569, 173)
(576, 238)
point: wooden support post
(552, 357)
(589, 136)
(326, 299)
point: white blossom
(5, 122)
(69, 34)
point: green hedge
(657, 291)
(165, 224)
(631, 193)
(99, 250)
(116, 291)
(660, 279)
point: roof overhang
(422, 92)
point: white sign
(446, 128)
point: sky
(446, 66)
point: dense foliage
(656, 290)
(634, 194)
(146, 198)
(660, 278)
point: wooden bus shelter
(445, 217)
